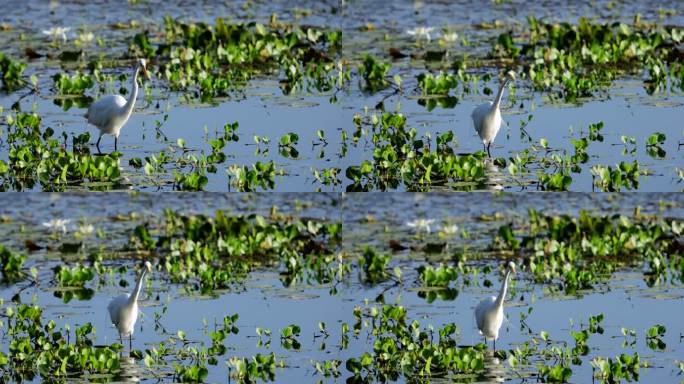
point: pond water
(265, 300)
(263, 109)
(387, 240)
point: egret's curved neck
(499, 95)
(134, 92)
(504, 288)
(138, 287)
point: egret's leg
(130, 342)
(121, 353)
(116, 139)
(484, 146)
(98, 151)
(488, 152)
(494, 345)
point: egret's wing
(115, 306)
(479, 114)
(104, 110)
(481, 311)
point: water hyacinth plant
(35, 155)
(581, 59)
(211, 259)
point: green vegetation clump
(209, 253)
(249, 178)
(404, 349)
(581, 251)
(214, 60)
(437, 85)
(580, 59)
(401, 157)
(77, 276)
(10, 73)
(624, 176)
(438, 277)
(76, 84)
(259, 367)
(36, 156)
(374, 266)
(624, 367)
(374, 73)
(40, 349)
(10, 264)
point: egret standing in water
(489, 314)
(123, 309)
(487, 116)
(110, 113)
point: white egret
(487, 116)
(489, 314)
(111, 112)
(123, 309)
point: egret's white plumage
(110, 113)
(487, 116)
(123, 309)
(489, 313)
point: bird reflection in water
(494, 179)
(494, 371)
(130, 371)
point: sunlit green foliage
(250, 178)
(581, 59)
(36, 156)
(248, 370)
(76, 84)
(374, 265)
(214, 60)
(555, 374)
(624, 367)
(288, 337)
(401, 157)
(404, 349)
(209, 253)
(624, 176)
(438, 277)
(10, 264)
(374, 73)
(582, 251)
(73, 277)
(654, 337)
(10, 73)
(437, 85)
(40, 349)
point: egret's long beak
(513, 269)
(149, 268)
(145, 73)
